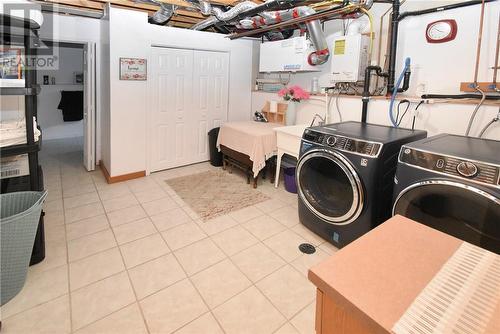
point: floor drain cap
(307, 248)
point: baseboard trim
(119, 178)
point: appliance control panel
(341, 143)
(471, 170)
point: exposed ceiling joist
(185, 15)
(87, 4)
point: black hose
(406, 81)
(460, 96)
(442, 8)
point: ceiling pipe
(318, 57)
(271, 5)
(321, 55)
(227, 16)
(202, 25)
(243, 10)
(263, 18)
(337, 12)
(162, 15)
(221, 16)
(204, 6)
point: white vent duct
(221, 16)
(161, 16)
(204, 6)
(320, 56)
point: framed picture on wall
(133, 69)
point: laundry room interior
(224, 166)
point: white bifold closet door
(189, 96)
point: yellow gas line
(370, 18)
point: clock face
(441, 31)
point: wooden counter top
(379, 275)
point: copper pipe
(495, 70)
(380, 34)
(479, 42)
(387, 47)
(379, 56)
(381, 30)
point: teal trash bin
(20, 214)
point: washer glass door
(463, 211)
(329, 186)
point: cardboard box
(14, 166)
(367, 286)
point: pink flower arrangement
(294, 93)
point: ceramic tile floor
(133, 258)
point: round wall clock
(441, 31)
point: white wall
(437, 68)
(67, 28)
(131, 36)
(49, 117)
(104, 119)
(434, 118)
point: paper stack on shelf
(5, 83)
(14, 132)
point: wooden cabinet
(334, 318)
(369, 285)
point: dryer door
(329, 186)
(463, 211)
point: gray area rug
(215, 193)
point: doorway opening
(66, 103)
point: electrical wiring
(415, 114)
(399, 120)
(345, 25)
(474, 113)
(336, 103)
(337, 106)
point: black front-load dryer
(345, 177)
(452, 184)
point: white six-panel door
(189, 94)
(210, 96)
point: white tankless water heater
(289, 55)
(349, 58)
